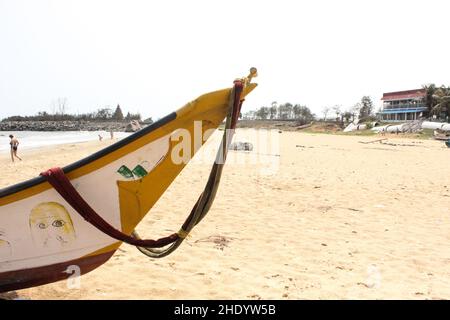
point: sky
(153, 57)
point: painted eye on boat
(58, 223)
(42, 225)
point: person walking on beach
(14, 145)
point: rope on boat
(207, 197)
(163, 246)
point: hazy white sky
(154, 56)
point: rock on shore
(133, 126)
(70, 126)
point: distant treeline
(303, 115)
(285, 111)
(102, 114)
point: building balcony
(402, 110)
(404, 106)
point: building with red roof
(406, 105)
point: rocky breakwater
(70, 126)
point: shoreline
(53, 155)
(34, 139)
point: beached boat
(441, 135)
(75, 218)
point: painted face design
(51, 225)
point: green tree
(304, 114)
(103, 114)
(262, 113)
(285, 111)
(442, 98)
(297, 110)
(366, 109)
(348, 116)
(118, 115)
(437, 100)
(430, 102)
(273, 112)
(289, 110)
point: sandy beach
(333, 218)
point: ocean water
(36, 139)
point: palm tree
(442, 98)
(429, 99)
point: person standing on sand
(14, 145)
(112, 134)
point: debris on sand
(378, 140)
(241, 146)
(385, 142)
(220, 241)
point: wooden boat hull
(41, 235)
(19, 279)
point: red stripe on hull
(26, 278)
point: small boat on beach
(441, 135)
(63, 221)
